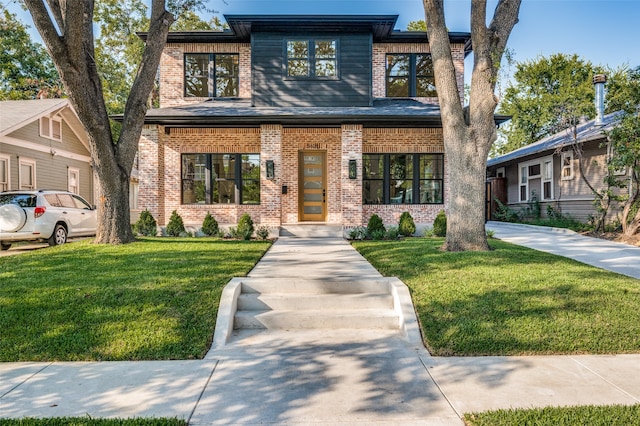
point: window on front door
(27, 174)
(403, 178)
(410, 75)
(312, 59)
(211, 75)
(221, 179)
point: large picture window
(209, 75)
(403, 178)
(312, 59)
(410, 75)
(220, 179)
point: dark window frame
(416, 179)
(212, 75)
(412, 76)
(211, 182)
(311, 58)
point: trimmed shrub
(406, 226)
(245, 227)
(358, 233)
(440, 225)
(175, 227)
(262, 232)
(146, 224)
(392, 233)
(375, 226)
(210, 226)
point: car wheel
(12, 217)
(59, 236)
(5, 246)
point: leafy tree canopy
(419, 25)
(26, 70)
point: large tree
(546, 96)
(26, 70)
(469, 132)
(68, 34)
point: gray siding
(70, 141)
(271, 88)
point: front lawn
(512, 300)
(612, 415)
(156, 298)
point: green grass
(156, 298)
(512, 300)
(87, 421)
(612, 415)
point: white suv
(44, 215)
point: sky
(604, 32)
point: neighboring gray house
(43, 145)
(549, 170)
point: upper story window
(51, 127)
(312, 59)
(410, 75)
(211, 75)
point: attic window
(316, 59)
(51, 128)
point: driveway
(616, 257)
(19, 248)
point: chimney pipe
(599, 80)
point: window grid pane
(196, 75)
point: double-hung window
(536, 179)
(410, 75)
(403, 178)
(221, 179)
(73, 180)
(211, 75)
(26, 174)
(312, 59)
(51, 128)
(5, 183)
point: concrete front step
(325, 302)
(311, 231)
(317, 319)
(315, 286)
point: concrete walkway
(617, 257)
(315, 377)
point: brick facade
(172, 69)
(161, 149)
(380, 51)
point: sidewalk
(322, 377)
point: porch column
(351, 188)
(271, 188)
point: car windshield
(22, 200)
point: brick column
(351, 188)
(270, 189)
(150, 172)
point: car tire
(59, 236)
(5, 246)
(12, 217)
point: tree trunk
(71, 45)
(468, 136)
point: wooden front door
(312, 184)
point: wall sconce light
(271, 172)
(353, 169)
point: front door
(313, 193)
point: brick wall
(150, 153)
(397, 140)
(380, 51)
(351, 188)
(172, 69)
(270, 189)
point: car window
(53, 200)
(80, 203)
(67, 201)
(22, 200)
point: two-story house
(297, 119)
